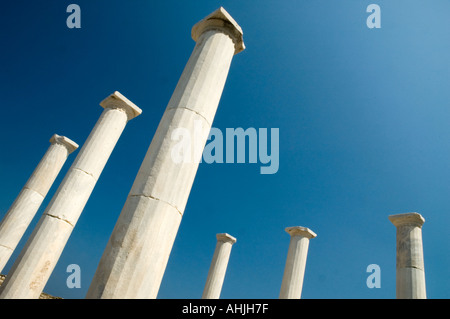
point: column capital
(68, 143)
(118, 101)
(300, 231)
(222, 20)
(412, 219)
(226, 238)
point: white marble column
(37, 260)
(410, 275)
(294, 271)
(135, 258)
(30, 198)
(218, 268)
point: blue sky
(362, 115)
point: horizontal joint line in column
(26, 187)
(6, 247)
(414, 267)
(90, 174)
(186, 108)
(57, 217)
(158, 199)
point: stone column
(294, 271)
(410, 275)
(37, 260)
(30, 198)
(135, 258)
(218, 267)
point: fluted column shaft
(294, 271)
(37, 260)
(410, 269)
(30, 198)
(135, 258)
(218, 268)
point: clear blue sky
(363, 116)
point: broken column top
(300, 231)
(220, 19)
(413, 219)
(226, 238)
(118, 101)
(68, 143)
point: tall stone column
(294, 271)
(410, 275)
(135, 258)
(218, 268)
(37, 260)
(30, 198)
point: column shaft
(135, 258)
(218, 268)
(30, 198)
(410, 270)
(36, 262)
(294, 271)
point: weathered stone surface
(132, 235)
(123, 272)
(218, 268)
(27, 203)
(33, 267)
(220, 19)
(162, 177)
(410, 273)
(42, 296)
(294, 271)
